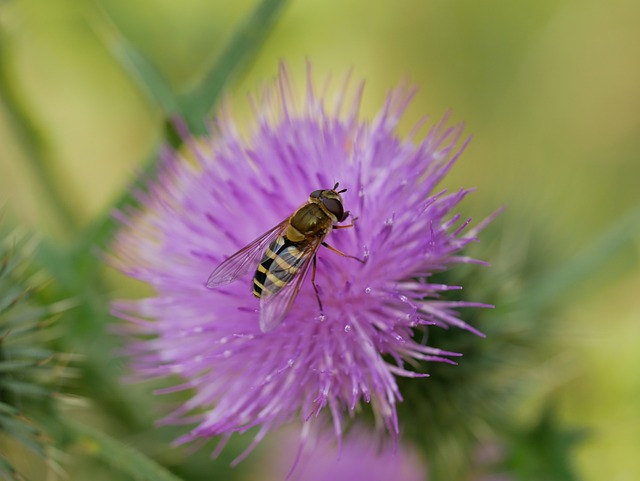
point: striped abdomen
(280, 263)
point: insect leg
(341, 253)
(353, 222)
(315, 288)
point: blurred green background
(550, 91)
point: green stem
(139, 68)
(32, 144)
(550, 286)
(241, 49)
(120, 456)
(33, 148)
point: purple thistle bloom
(363, 456)
(225, 191)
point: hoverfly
(286, 252)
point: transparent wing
(245, 259)
(274, 307)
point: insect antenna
(336, 186)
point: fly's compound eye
(335, 207)
(315, 194)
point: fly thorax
(311, 219)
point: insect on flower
(286, 251)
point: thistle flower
(224, 191)
(363, 456)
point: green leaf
(31, 141)
(552, 285)
(8, 409)
(239, 52)
(100, 232)
(543, 451)
(10, 298)
(10, 244)
(24, 319)
(26, 352)
(24, 432)
(21, 388)
(16, 366)
(120, 456)
(8, 471)
(150, 81)
(27, 368)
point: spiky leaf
(28, 368)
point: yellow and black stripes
(280, 263)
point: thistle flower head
(362, 456)
(225, 191)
